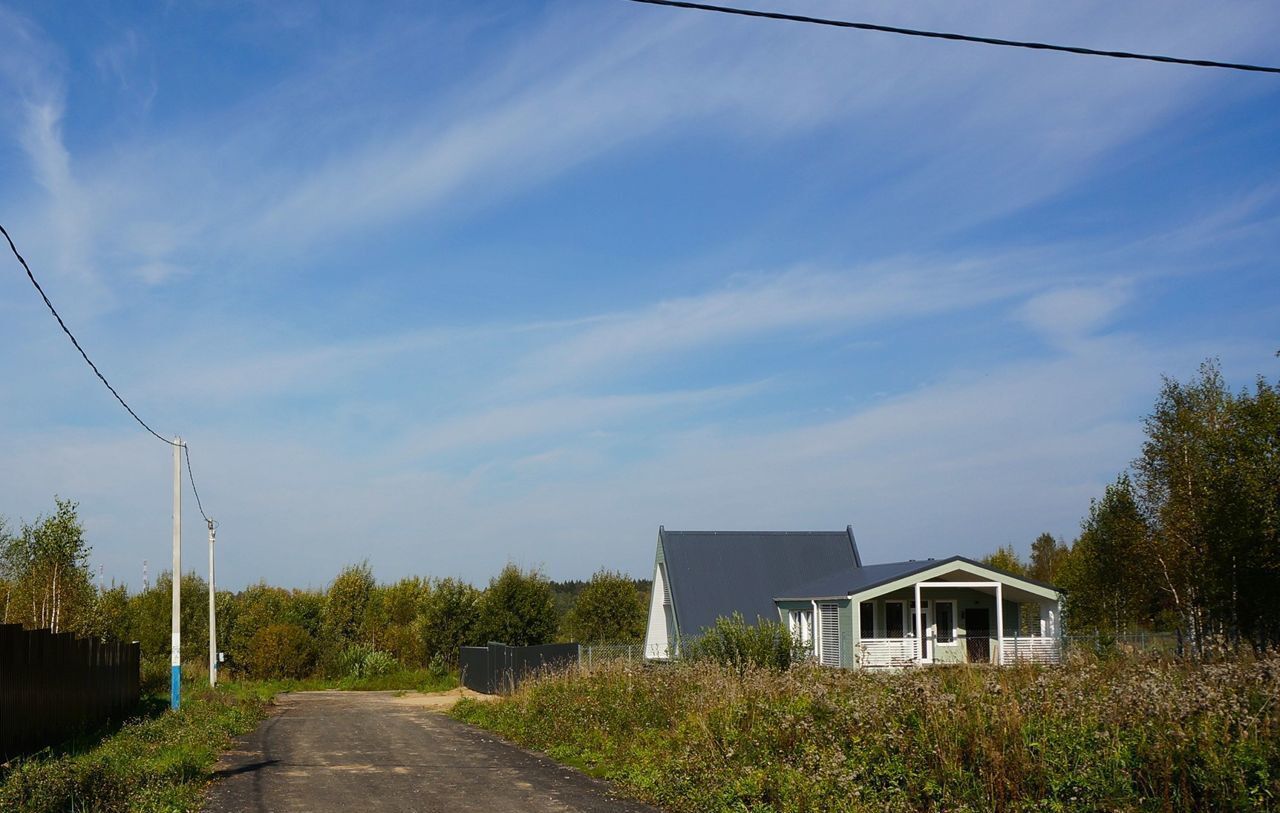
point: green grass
(1089, 736)
(152, 764)
(160, 761)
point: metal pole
(175, 643)
(213, 617)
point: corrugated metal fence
(53, 687)
(499, 668)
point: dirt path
(374, 751)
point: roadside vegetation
(355, 633)
(1123, 734)
(157, 763)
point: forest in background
(1187, 538)
(354, 628)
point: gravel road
(372, 751)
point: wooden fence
(53, 687)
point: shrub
(734, 643)
(363, 661)
(281, 651)
(377, 664)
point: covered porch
(963, 613)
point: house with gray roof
(847, 613)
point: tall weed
(1092, 735)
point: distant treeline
(354, 625)
(1188, 537)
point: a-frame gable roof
(717, 573)
(866, 578)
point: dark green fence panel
(498, 668)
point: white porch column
(918, 657)
(1049, 618)
(1000, 620)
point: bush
(377, 664)
(734, 643)
(281, 651)
(363, 661)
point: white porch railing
(1030, 650)
(887, 651)
(900, 652)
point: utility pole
(146, 583)
(213, 616)
(175, 658)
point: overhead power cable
(942, 35)
(72, 337)
(185, 450)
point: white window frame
(802, 631)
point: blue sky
(520, 282)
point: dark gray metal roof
(868, 576)
(855, 581)
(718, 573)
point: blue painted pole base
(175, 688)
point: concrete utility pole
(175, 658)
(213, 616)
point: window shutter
(829, 618)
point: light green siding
(847, 633)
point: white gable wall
(659, 636)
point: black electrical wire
(185, 450)
(941, 35)
(72, 337)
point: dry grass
(1120, 735)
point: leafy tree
(109, 618)
(281, 651)
(1006, 558)
(1048, 555)
(397, 632)
(449, 619)
(1208, 483)
(1107, 580)
(151, 612)
(609, 608)
(518, 608)
(346, 603)
(46, 570)
(253, 609)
